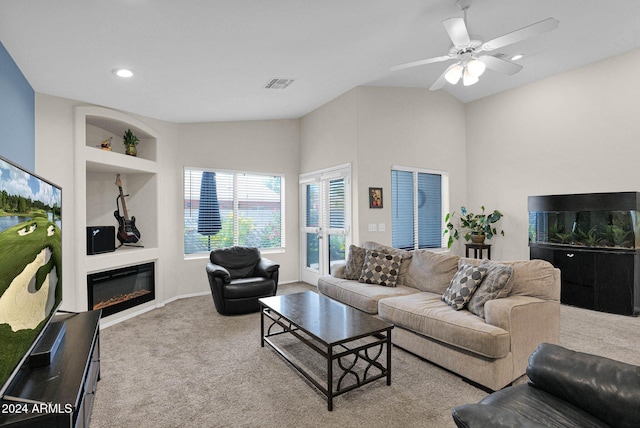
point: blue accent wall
(17, 114)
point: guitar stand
(130, 245)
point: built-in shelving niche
(96, 191)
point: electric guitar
(127, 232)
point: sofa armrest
(529, 321)
(605, 388)
(488, 416)
(337, 269)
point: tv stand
(61, 393)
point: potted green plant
(477, 226)
(130, 143)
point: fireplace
(116, 290)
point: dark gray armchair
(238, 277)
(565, 389)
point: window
(417, 201)
(225, 208)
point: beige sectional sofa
(491, 350)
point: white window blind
(416, 208)
(250, 210)
(336, 204)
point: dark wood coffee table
(353, 339)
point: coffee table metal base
(369, 353)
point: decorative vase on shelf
(131, 150)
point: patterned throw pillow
(380, 268)
(462, 286)
(355, 261)
(495, 285)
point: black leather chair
(238, 277)
(565, 389)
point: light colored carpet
(186, 365)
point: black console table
(61, 393)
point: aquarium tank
(583, 222)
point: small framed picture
(375, 197)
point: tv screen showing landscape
(30, 263)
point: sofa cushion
(431, 271)
(355, 261)
(359, 295)
(426, 314)
(406, 257)
(464, 283)
(495, 285)
(535, 278)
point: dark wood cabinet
(60, 394)
(595, 279)
(615, 282)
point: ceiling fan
(471, 63)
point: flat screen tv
(30, 263)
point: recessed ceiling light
(123, 72)
(516, 57)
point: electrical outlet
(382, 227)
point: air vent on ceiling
(278, 83)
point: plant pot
(131, 150)
(478, 239)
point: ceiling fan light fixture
(454, 74)
(475, 67)
(469, 79)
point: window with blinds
(226, 208)
(337, 204)
(416, 208)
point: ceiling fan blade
(441, 81)
(500, 65)
(457, 30)
(421, 62)
(521, 34)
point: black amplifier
(101, 239)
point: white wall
(373, 128)
(328, 138)
(257, 146)
(576, 132)
(54, 161)
(407, 127)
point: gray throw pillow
(462, 286)
(495, 285)
(404, 254)
(380, 268)
(355, 261)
